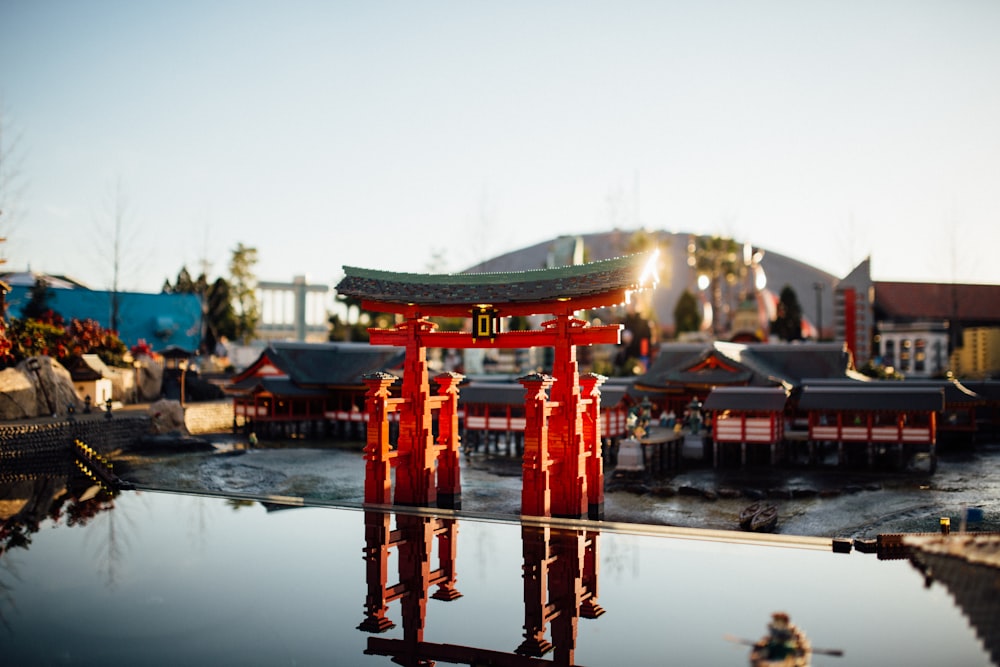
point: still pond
(154, 578)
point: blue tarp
(159, 319)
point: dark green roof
(757, 364)
(756, 399)
(567, 282)
(955, 392)
(871, 396)
(323, 364)
(673, 364)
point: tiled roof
(324, 364)
(763, 399)
(921, 301)
(674, 363)
(568, 282)
(781, 364)
(792, 362)
(955, 393)
(867, 397)
(988, 390)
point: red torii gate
(563, 472)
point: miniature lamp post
(183, 365)
(137, 365)
(35, 367)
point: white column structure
(293, 311)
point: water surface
(159, 578)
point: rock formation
(46, 392)
(167, 416)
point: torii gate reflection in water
(563, 472)
(559, 571)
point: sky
(416, 136)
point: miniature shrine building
(563, 471)
(296, 389)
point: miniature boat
(765, 521)
(784, 645)
(759, 518)
(747, 514)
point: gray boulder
(167, 416)
(17, 395)
(46, 392)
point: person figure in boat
(782, 639)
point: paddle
(836, 652)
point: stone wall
(104, 435)
(209, 417)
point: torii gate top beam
(558, 291)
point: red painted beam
(606, 334)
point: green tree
(184, 284)
(788, 324)
(218, 314)
(687, 315)
(243, 287)
(39, 297)
(717, 258)
(219, 311)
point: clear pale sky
(378, 134)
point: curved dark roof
(762, 399)
(322, 364)
(681, 364)
(759, 364)
(955, 392)
(583, 280)
(793, 362)
(866, 397)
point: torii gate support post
(589, 607)
(566, 591)
(449, 489)
(590, 386)
(569, 496)
(536, 477)
(377, 543)
(535, 572)
(445, 576)
(415, 468)
(416, 534)
(378, 451)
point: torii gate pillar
(566, 427)
(563, 472)
(416, 454)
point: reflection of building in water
(560, 585)
(968, 565)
